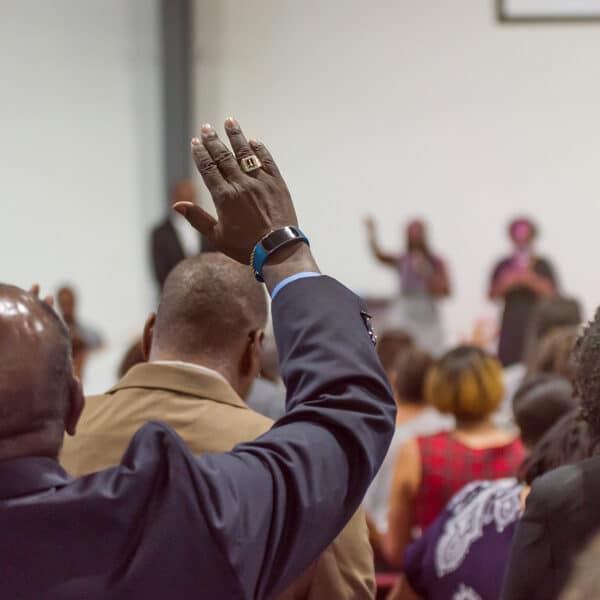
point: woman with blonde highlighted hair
(466, 383)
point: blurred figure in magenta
(423, 280)
(520, 281)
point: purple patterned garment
(464, 553)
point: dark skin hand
(249, 205)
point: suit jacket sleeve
(530, 570)
(274, 504)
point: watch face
(275, 239)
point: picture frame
(548, 11)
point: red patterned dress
(447, 465)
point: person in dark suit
(562, 510)
(164, 523)
(173, 240)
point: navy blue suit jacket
(243, 524)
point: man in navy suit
(164, 523)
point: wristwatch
(271, 242)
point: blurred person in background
(545, 353)
(84, 339)
(466, 383)
(464, 553)
(390, 345)
(562, 510)
(554, 352)
(413, 418)
(267, 394)
(520, 281)
(173, 239)
(423, 281)
(584, 581)
(541, 400)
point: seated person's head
(568, 441)
(554, 312)
(554, 353)
(466, 382)
(390, 345)
(586, 361)
(39, 396)
(541, 400)
(212, 312)
(409, 374)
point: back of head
(554, 352)
(411, 369)
(209, 306)
(390, 345)
(586, 364)
(466, 382)
(541, 400)
(35, 375)
(568, 441)
(553, 312)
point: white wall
(80, 151)
(422, 107)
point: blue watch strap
(272, 242)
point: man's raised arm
(274, 504)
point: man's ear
(76, 404)
(147, 336)
(251, 360)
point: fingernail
(195, 142)
(207, 129)
(253, 142)
(181, 208)
(231, 122)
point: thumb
(197, 217)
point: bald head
(36, 379)
(209, 306)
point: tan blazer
(209, 415)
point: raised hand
(249, 205)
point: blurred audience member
(520, 281)
(540, 401)
(390, 344)
(554, 352)
(551, 313)
(173, 239)
(423, 280)
(562, 510)
(267, 395)
(467, 384)
(465, 551)
(203, 348)
(414, 417)
(584, 582)
(133, 356)
(83, 338)
(545, 353)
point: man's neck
(220, 368)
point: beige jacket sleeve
(345, 571)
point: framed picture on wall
(548, 10)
